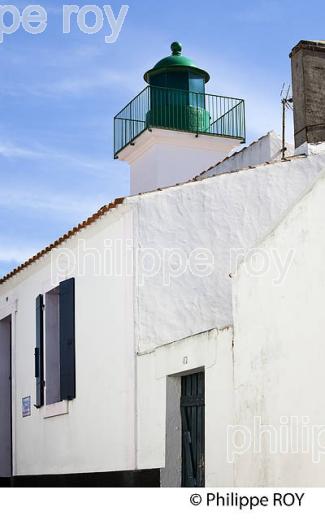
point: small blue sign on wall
(26, 406)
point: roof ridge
(233, 154)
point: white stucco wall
(266, 149)
(228, 212)
(279, 348)
(98, 432)
(213, 352)
(117, 421)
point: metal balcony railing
(173, 109)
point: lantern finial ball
(176, 48)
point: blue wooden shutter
(39, 352)
(67, 340)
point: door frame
(10, 308)
(196, 401)
(9, 317)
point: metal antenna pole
(286, 103)
(284, 149)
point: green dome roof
(175, 62)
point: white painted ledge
(55, 409)
(310, 149)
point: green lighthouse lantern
(175, 105)
(177, 94)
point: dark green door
(193, 418)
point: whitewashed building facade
(131, 345)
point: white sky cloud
(93, 166)
(15, 253)
(59, 203)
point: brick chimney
(308, 85)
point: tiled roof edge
(100, 213)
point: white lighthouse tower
(173, 129)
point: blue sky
(59, 94)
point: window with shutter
(59, 328)
(67, 340)
(39, 353)
(52, 346)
